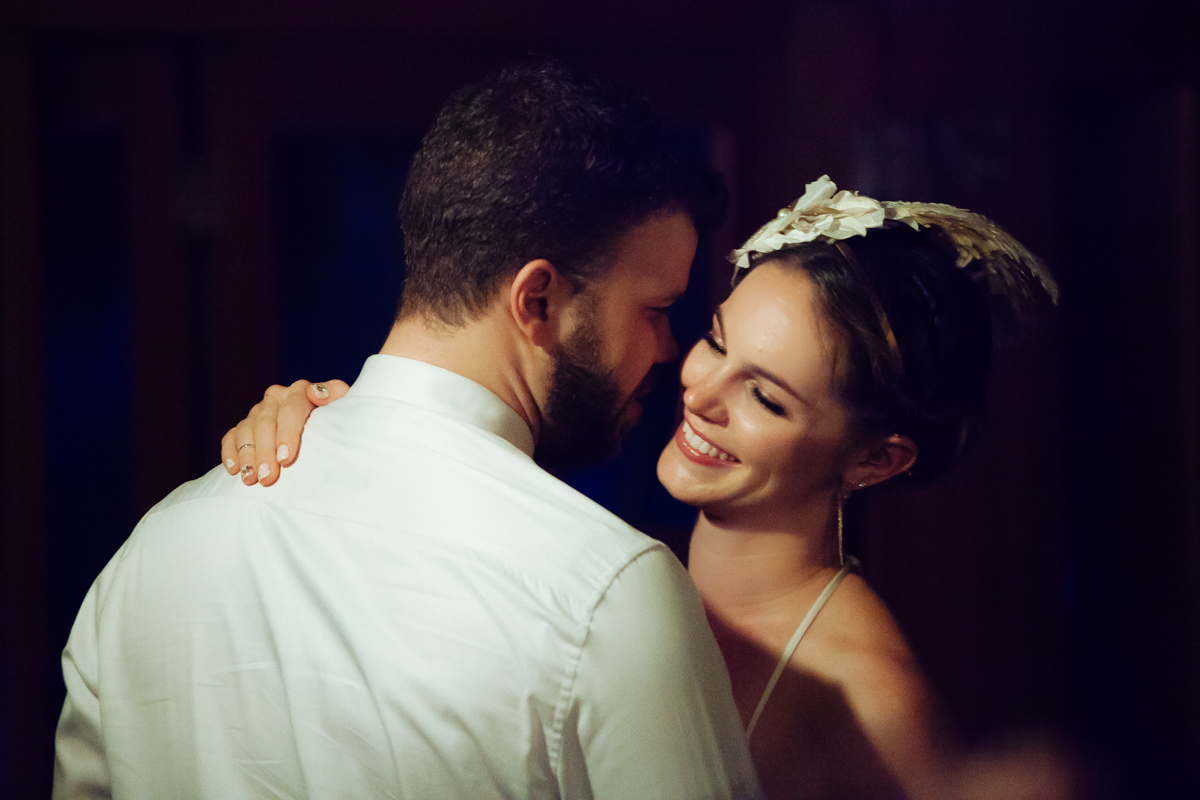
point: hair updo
(941, 321)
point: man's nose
(667, 349)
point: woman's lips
(699, 449)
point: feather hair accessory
(988, 253)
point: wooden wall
(1051, 586)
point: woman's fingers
(229, 455)
(288, 417)
(246, 448)
(320, 394)
(267, 465)
(288, 428)
(268, 439)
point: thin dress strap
(796, 637)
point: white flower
(822, 213)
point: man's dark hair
(538, 160)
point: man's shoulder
(214, 506)
(430, 488)
(425, 471)
(593, 539)
(203, 497)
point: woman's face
(763, 429)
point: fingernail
(230, 463)
(282, 453)
(263, 471)
(245, 471)
(320, 389)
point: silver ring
(246, 470)
(247, 444)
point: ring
(246, 470)
(247, 444)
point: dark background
(198, 200)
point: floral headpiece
(822, 213)
(825, 214)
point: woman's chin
(675, 474)
(722, 496)
(668, 471)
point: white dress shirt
(414, 610)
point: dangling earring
(841, 552)
(843, 494)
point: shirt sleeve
(80, 764)
(653, 715)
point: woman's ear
(882, 460)
(537, 298)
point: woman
(854, 348)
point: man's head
(537, 161)
(601, 367)
(542, 185)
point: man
(418, 609)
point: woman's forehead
(776, 320)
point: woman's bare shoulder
(864, 647)
(861, 648)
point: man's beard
(582, 424)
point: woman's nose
(703, 399)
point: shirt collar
(444, 392)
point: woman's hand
(269, 437)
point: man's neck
(483, 350)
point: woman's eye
(769, 405)
(713, 343)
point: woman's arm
(269, 437)
(896, 710)
(899, 715)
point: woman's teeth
(702, 445)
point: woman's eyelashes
(711, 339)
(767, 403)
(770, 405)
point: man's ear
(537, 298)
(880, 461)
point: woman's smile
(699, 449)
(763, 427)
